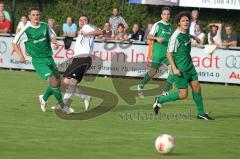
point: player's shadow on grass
(227, 116)
(109, 101)
(221, 98)
(122, 108)
(123, 87)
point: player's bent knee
(183, 95)
(152, 72)
(54, 82)
(197, 88)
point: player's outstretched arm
(171, 61)
(95, 32)
(152, 37)
(195, 38)
(17, 48)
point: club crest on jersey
(40, 40)
(187, 42)
(167, 32)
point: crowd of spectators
(116, 28)
(5, 20)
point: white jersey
(84, 43)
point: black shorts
(78, 68)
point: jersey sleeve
(173, 43)
(154, 29)
(21, 36)
(51, 33)
(88, 28)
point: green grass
(27, 133)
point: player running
(160, 34)
(81, 62)
(178, 54)
(37, 38)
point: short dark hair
(24, 16)
(166, 8)
(33, 9)
(106, 22)
(120, 25)
(136, 24)
(182, 14)
(116, 8)
(88, 20)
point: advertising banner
(124, 59)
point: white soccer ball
(164, 143)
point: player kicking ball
(178, 54)
(37, 38)
(81, 62)
(160, 34)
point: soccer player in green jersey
(178, 54)
(160, 34)
(37, 38)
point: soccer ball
(164, 143)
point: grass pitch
(125, 132)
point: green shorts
(158, 61)
(182, 81)
(45, 67)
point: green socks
(57, 94)
(172, 96)
(170, 80)
(145, 80)
(197, 97)
(47, 93)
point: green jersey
(163, 30)
(37, 40)
(180, 47)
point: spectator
(137, 34)
(230, 38)
(69, 28)
(214, 36)
(6, 14)
(108, 33)
(147, 31)
(194, 21)
(23, 22)
(116, 19)
(51, 25)
(198, 34)
(5, 25)
(121, 34)
(69, 32)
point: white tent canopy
(156, 2)
(218, 4)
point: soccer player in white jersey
(81, 62)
